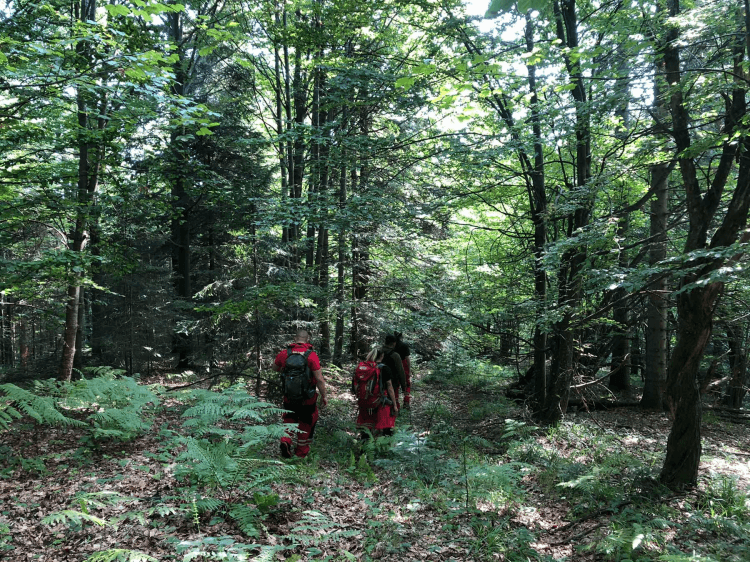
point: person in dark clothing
(305, 413)
(395, 364)
(402, 348)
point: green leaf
(499, 6)
(117, 10)
(405, 82)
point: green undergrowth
(436, 488)
(469, 373)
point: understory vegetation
(115, 468)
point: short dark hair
(389, 339)
(302, 334)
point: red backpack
(367, 385)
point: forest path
(490, 423)
(400, 505)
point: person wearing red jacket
(303, 414)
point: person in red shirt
(305, 413)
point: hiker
(376, 399)
(301, 374)
(395, 364)
(402, 348)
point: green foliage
(211, 411)
(493, 538)
(42, 409)
(636, 542)
(6, 538)
(417, 458)
(226, 456)
(73, 518)
(246, 516)
(120, 404)
(723, 498)
(223, 548)
(499, 484)
(468, 372)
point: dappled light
(344, 280)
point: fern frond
(73, 516)
(245, 516)
(103, 371)
(40, 408)
(233, 404)
(7, 414)
(102, 499)
(315, 528)
(120, 404)
(120, 555)
(208, 505)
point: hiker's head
(303, 336)
(375, 355)
(390, 341)
(398, 335)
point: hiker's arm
(392, 396)
(320, 382)
(408, 362)
(275, 367)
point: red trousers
(407, 393)
(304, 416)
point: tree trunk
(89, 161)
(736, 389)
(538, 205)
(181, 241)
(656, 330)
(619, 378)
(696, 304)
(655, 372)
(695, 311)
(572, 261)
(78, 359)
(338, 349)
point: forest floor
(432, 506)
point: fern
(226, 549)
(120, 404)
(40, 408)
(100, 500)
(120, 555)
(245, 516)
(226, 454)
(210, 409)
(315, 528)
(74, 517)
(207, 505)
(7, 414)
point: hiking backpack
(367, 386)
(295, 376)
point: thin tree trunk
(619, 378)
(280, 129)
(538, 204)
(338, 350)
(655, 376)
(89, 161)
(736, 389)
(572, 261)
